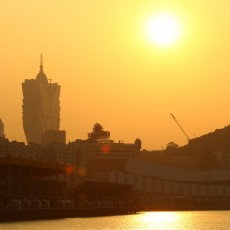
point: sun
(163, 29)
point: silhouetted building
(2, 135)
(41, 106)
(54, 136)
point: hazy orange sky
(111, 73)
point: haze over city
(112, 71)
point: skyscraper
(41, 106)
(2, 135)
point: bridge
(23, 175)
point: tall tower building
(2, 135)
(41, 106)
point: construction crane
(188, 138)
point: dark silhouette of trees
(98, 133)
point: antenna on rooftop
(41, 59)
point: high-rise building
(41, 106)
(2, 135)
(53, 136)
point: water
(201, 220)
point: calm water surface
(207, 220)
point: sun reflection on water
(179, 220)
(160, 216)
(159, 220)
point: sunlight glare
(160, 217)
(163, 29)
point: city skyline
(111, 73)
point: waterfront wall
(154, 186)
(155, 182)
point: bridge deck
(35, 164)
